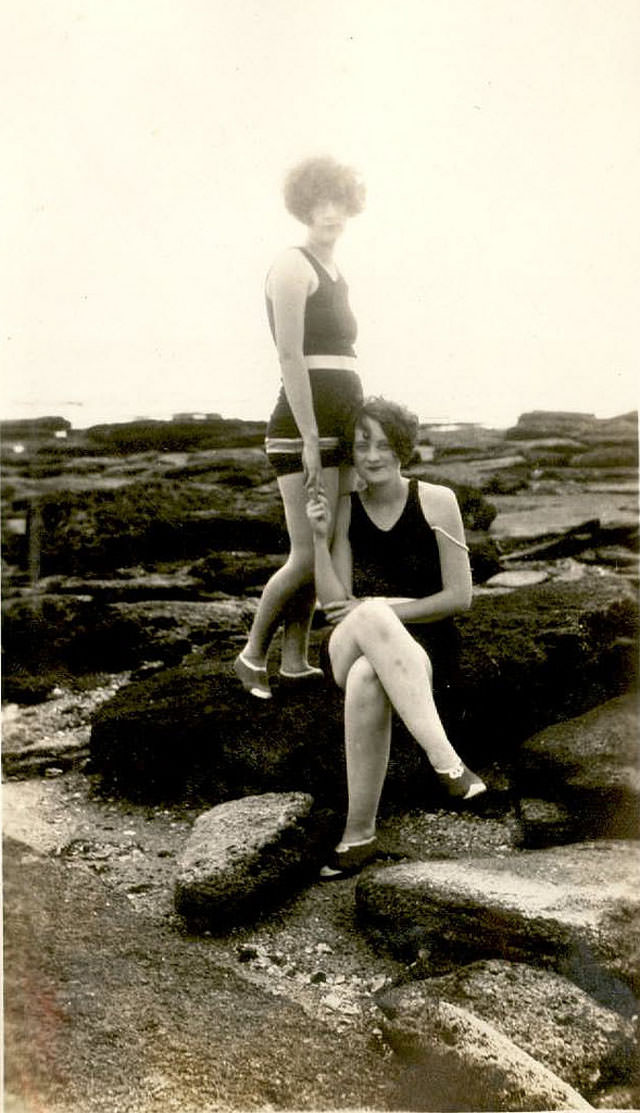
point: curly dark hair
(399, 424)
(320, 179)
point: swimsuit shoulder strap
(320, 271)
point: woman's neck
(385, 494)
(323, 252)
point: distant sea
(83, 415)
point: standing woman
(310, 430)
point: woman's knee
(374, 616)
(299, 565)
(363, 681)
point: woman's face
(373, 457)
(327, 220)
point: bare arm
(289, 284)
(332, 567)
(441, 508)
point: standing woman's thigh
(294, 498)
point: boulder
(461, 1062)
(244, 856)
(192, 733)
(545, 424)
(540, 654)
(588, 766)
(587, 1046)
(76, 632)
(572, 908)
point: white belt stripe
(330, 363)
(295, 444)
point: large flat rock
(587, 1046)
(575, 909)
(589, 767)
(242, 856)
(461, 1062)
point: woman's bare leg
(403, 668)
(367, 743)
(289, 595)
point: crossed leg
(403, 669)
(383, 668)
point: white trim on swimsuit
(330, 363)
(460, 544)
(295, 444)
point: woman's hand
(339, 609)
(319, 515)
(312, 468)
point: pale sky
(495, 270)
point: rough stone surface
(542, 654)
(589, 767)
(586, 1045)
(45, 631)
(545, 822)
(517, 578)
(242, 856)
(463, 1062)
(572, 908)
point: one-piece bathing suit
(404, 562)
(330, 331)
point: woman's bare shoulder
(439, 503)
(290, 268)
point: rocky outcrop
(462, 1062)
(539, 654)
(243, 857)
(183, 432)
(576, 426)
(571, 908)
(193, 733)
(580, 779)
(609, 456)
(48, 634)
(589, 1047)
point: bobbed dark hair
(322, 179)
(400, 426)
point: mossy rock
(528, 659)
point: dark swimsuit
(329, 330)
(404, 562)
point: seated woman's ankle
(356, 838)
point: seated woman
(397, 571)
